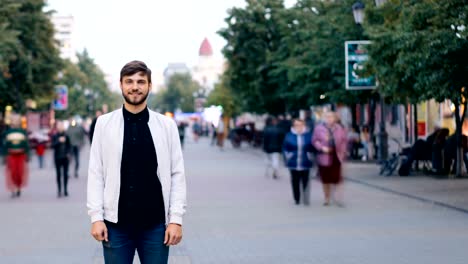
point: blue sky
(154, 31)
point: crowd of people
(18, 146)
(303, 145)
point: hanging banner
(61, 97)
(356, 56)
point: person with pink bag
(329, 139)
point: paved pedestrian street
(238, 215)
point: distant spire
(205, 48)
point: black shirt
(141, 200)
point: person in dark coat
(62, 151)
(438, 143)
(272, 146)
(298, 149)
(450, 153)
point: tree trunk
(458, 136)
(459, 124)
(415, 117)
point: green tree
(74, 79)
(177, 95)
(420, 51)
(30, 67)
(288, 59)
(95, 83)
(222, 95)
(253, 35)
(8, 43)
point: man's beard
(133, 102)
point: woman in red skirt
(16, 151)
(330, 141)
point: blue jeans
(123, 241)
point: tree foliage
(177, 95)
(253, 35)
(29, 57)
(287, 59)
(420, 52)
(88, 90)
(222, 95)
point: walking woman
(16, 151)
(329, 140)
(297, 149)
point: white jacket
(105, 161)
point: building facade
(209, 68)
(65, 35)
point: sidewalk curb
(384, 189)
(410, 196)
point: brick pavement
(237, 215)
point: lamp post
(383, 136)
(358, 13)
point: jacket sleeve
(285, 145)
(177, 199)
(95, 191)
(316, 139)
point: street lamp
(358, 13)
(380, 2)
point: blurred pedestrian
(62, 150)
(40, 152)
(329, 139)
(77, 134)
(220, 133)
(297, 149)
(196, 130)
(16, 153)
(272, 146)
(136, 180)
(438, 160)
(93, 125)
(214, 137)
(365, 142)
(284, 124)
(181, 127)
(354, 143)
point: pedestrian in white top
(136, 179)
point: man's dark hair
(135, 67)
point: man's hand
(99, 231)
(173, 235)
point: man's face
(60, 127)
(135, 88)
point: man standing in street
(77, 134)
(136, 179)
